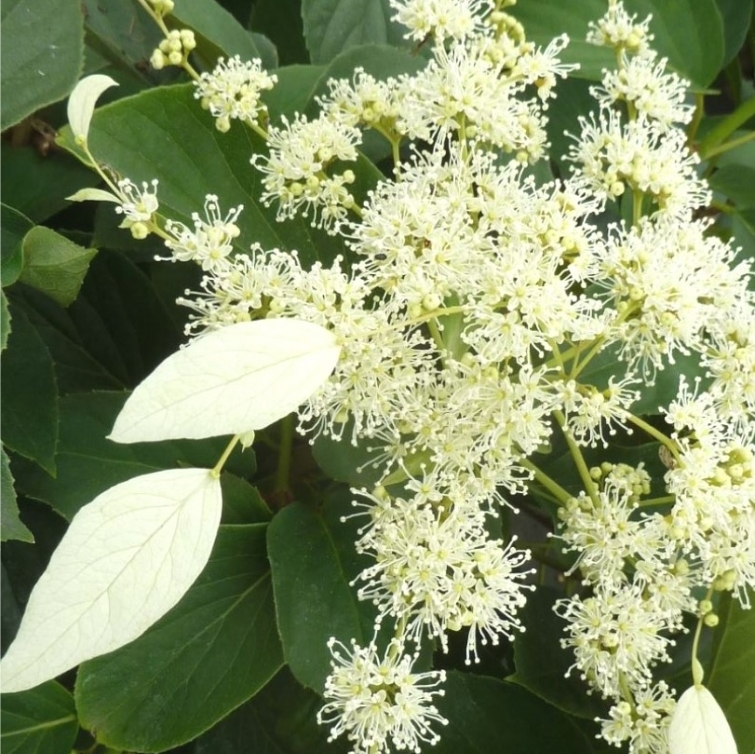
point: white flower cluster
(232, 91)
(474, 302)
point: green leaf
(281, 21)
(209, 654)
(88, 463)
(332, 26)
(345, 462)
(29, 395)
(312, 558)
(488, 715)
(39, 721)
(294, 91)
(41, 183)
(541, 662)
(4, 321)
(12, 526)
(54, 265)
(42, 54)
(736, 15)
(281, 719)
(213, 23)
(164, 133)
(688, 32)
(13, 227)
(731, 678)
(736, 183)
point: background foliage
(86, 313)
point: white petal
(93, 195)
(230, 381)
(699, 726)
(126, 559)
(82, 101)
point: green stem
(283, 470)
(697, 668)
(561, 495)
(696, 118)
(579, 460)
(656, 501)
(728, 145)
(657, 434)
(226, 453)
(727, 127)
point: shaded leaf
(541, 663)
(29, 395)
(40, 721)
(13, 227)
(312, 558)
(332, 26)
(213, 651)
(88, 463)
(736, 183)
(737, 16)
(42, 54)
(12, 527)
(731, 677)
(54, 265)
(125, 560)
(494, 717)
(281, 21)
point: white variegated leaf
(699, 726)
(93, 195)
(82, 101)
(236, 379)
(126, 559)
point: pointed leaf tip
(126, 559)
(699, 726)
(239, 378)
(82, 101)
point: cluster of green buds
(174, 49)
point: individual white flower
(611, 156)
(616, 634)
(643, 724)
(619, 30)
(232, 91)
(210, 242)
(653, 92)
(438, 571)
(378, 701)
(137, 205)
(442, 19)
(295, 177)
(542, 67)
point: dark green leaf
(88, 463)
(573, 99)
(295, 89)
(215, 24)
(488, 716)
(164, 133)
(13, 227)
(332, 26)
(42, 54)
(40, 185)
(122, 31)
(737, 16)
(213, 651)
(312, 558)
(731, 678)
(54, 265)
(281, 21)
(4, 321)
(268, 53)
(688, 32)
(541, 662)
(39, 721)
(12, 526)
(345, 462)
(281, 719)
(737, 183)
(29, 395)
